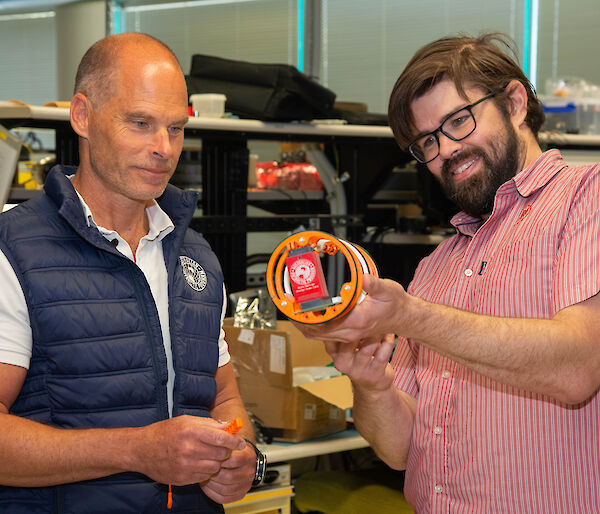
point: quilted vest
(98, 356)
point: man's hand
(234, 478)
(185, 450)
(380, 313)
(361, 343)
(366, 362)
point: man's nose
(161, 144)
(448, 147)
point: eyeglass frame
(434, 133)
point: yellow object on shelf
(25, 175)
(263, 501)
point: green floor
(350, 492)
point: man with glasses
(490, 400)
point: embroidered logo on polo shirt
(194, 274)
(524, 213)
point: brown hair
(468, 62)
(98, 65)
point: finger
(244, 460)
(228, 485)
(389, 338)
(384, 351)
(344, 359)
(199, 471)
(371, 360)
(364, 353)
(222, 496)
(375, 354)
(370, 284)
(212, 494)
(193, 438)
(332, 348)
(222, 439)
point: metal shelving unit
(366, 154)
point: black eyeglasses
(456, 126)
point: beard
(476, 195)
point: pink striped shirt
(479, 445)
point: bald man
(115, 380)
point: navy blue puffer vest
(98, 357)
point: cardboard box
(264, 361)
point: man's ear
(516, 97)
(80, 113)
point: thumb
(370, 284)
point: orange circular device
(296, 282)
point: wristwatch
(261, 464)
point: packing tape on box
(296, 282)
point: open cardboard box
(264, 361)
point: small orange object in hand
(235, 426)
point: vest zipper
(164, 411)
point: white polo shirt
(15, 330)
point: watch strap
(261, 464)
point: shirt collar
(526, 182)
(539, 173)
(159, 223)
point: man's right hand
(183, 450)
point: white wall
(78, 26)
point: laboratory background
(265, 176)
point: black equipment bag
(270, 92)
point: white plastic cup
(211, 105)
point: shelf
(284, 194)
(264, 499)
(34, 112)
(339, 442)
(558, 138)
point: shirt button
(437, 430)
(438, 489)
(446, 374)
(468, 272)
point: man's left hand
(235, 477)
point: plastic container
(210, 105)
(588, 115)
(561, 115)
